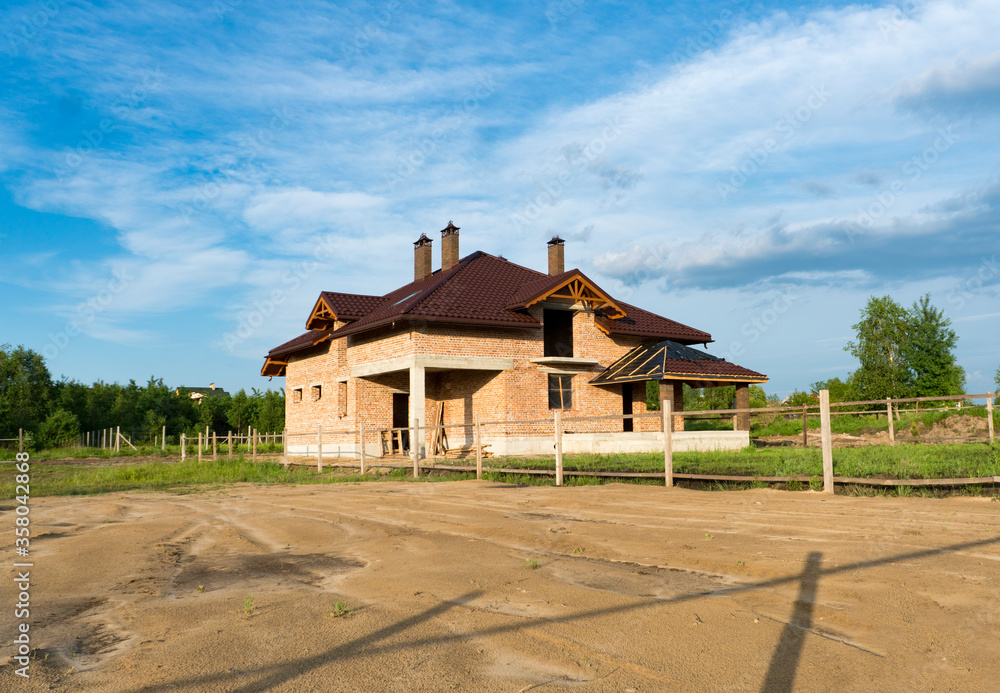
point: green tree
(241, 411)
(271, 412)
(60, 429)
(840, 391)
(881, 339)
(929, 352)
(25, 384)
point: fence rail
(360, 439)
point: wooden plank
(805, 428)
(989, 418)
(892, 425)
(415, 447)
(319, 448)
(559, 455)
(361, 438)
(827, 440)
(666, 409)
(284, 445)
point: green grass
(859, 423)
(142, 451)
(69, 480)
(899, 462)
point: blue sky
(178, 181)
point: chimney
(421, 257)
(449, 246)
(557, 262)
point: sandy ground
(636, 589)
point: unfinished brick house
(482, 335)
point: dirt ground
(954, 429)
(480, 586)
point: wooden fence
(824, 409)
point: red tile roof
(479, 290)
(351, 306)
(670, 360)
(641, 323)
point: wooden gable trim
(322, 316)
(578, 289)
(273, 367)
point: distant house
(483, 335)
(199, 393)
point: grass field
(901, 462)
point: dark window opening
(558, 327)
(560, 391)
(627, 406)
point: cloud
(962, 87)
(307, 209)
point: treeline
(55, 413)
(901, 352)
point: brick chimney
(422, 257)
(449, 246)
(557, 262)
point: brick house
(482, 335)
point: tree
(25, 384)
(929, 352)
(881, 338)
(271, 413)
(61, 428)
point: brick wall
(520, 393)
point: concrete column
(418, 378)
(673, 390)
(742, 401)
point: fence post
(118, 438)
(479, 449)
(199, 446)
(319, 448)
(805, 427)
(229, 444)
(827, 438)
(20, 440)
(989, 416)
(361, 438)
(183, 448)
(559, 459)
(284, 446)
(215, 447)
(253, 436)
(666, 412)
(892, 426)
(415, 447)
(163, 445)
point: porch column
(673, 390)
(417, 401)
(742, 402)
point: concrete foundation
(601, 443)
